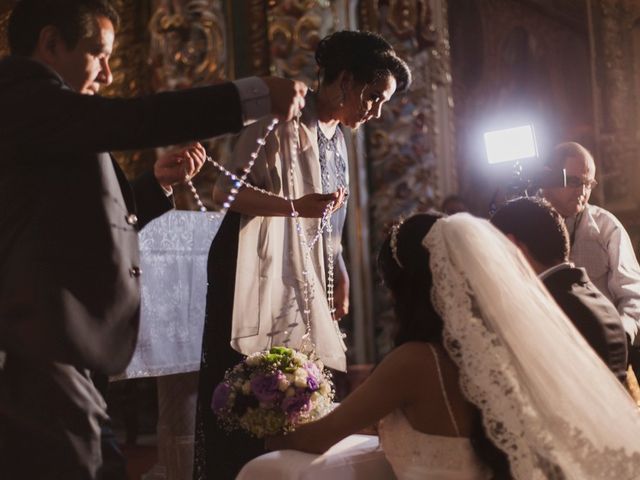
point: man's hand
(287, 97)
(179, 165)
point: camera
(517, 146)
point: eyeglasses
(577, 182)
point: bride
(488, 378)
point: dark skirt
(220, 455)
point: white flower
(300, 358)
(300, 378)
(254, 359)
(325, 388)
(283, 383)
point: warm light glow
(510, 144)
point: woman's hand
(314, 205)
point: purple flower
(313, 370)
(314, 375)
(296, 404)
(265, 386)
(220, 397)
(312, 383)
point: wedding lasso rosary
(306, 246)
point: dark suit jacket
(69, 278)
(593, 315)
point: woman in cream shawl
(255, 295)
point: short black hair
(366, 55)
(72, 18)
(536, 224)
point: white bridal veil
(547, 400)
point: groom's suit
(69, 259)
(69, 264)
(592, 314)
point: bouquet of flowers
(273, 391)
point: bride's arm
(393, 384)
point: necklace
(306, 245)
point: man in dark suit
(540, 233)
(69, 260)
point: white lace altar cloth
(173, 250)
(357, 457)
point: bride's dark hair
(410, 285)
(410, 282)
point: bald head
(563, 151)
(581, 170)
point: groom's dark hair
(536, 224)
(72, 18)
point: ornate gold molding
(406, 151)
(295, 28)
(188, 48)
(258, 43)
(188, 43)
(404, 173)
(4, 23)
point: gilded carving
(187, 43)
(188, 48)
(295, 28)
(4, 42)
(403, 144)
(258, 44)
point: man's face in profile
(573, 198)
(85, 67)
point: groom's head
(537, 229)
(72, 37)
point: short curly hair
(536, 224)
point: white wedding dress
(415, 455)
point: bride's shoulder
(412, 355)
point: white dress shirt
(601, 245)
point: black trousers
(114, 465)
(220, 455)
(50, 417)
